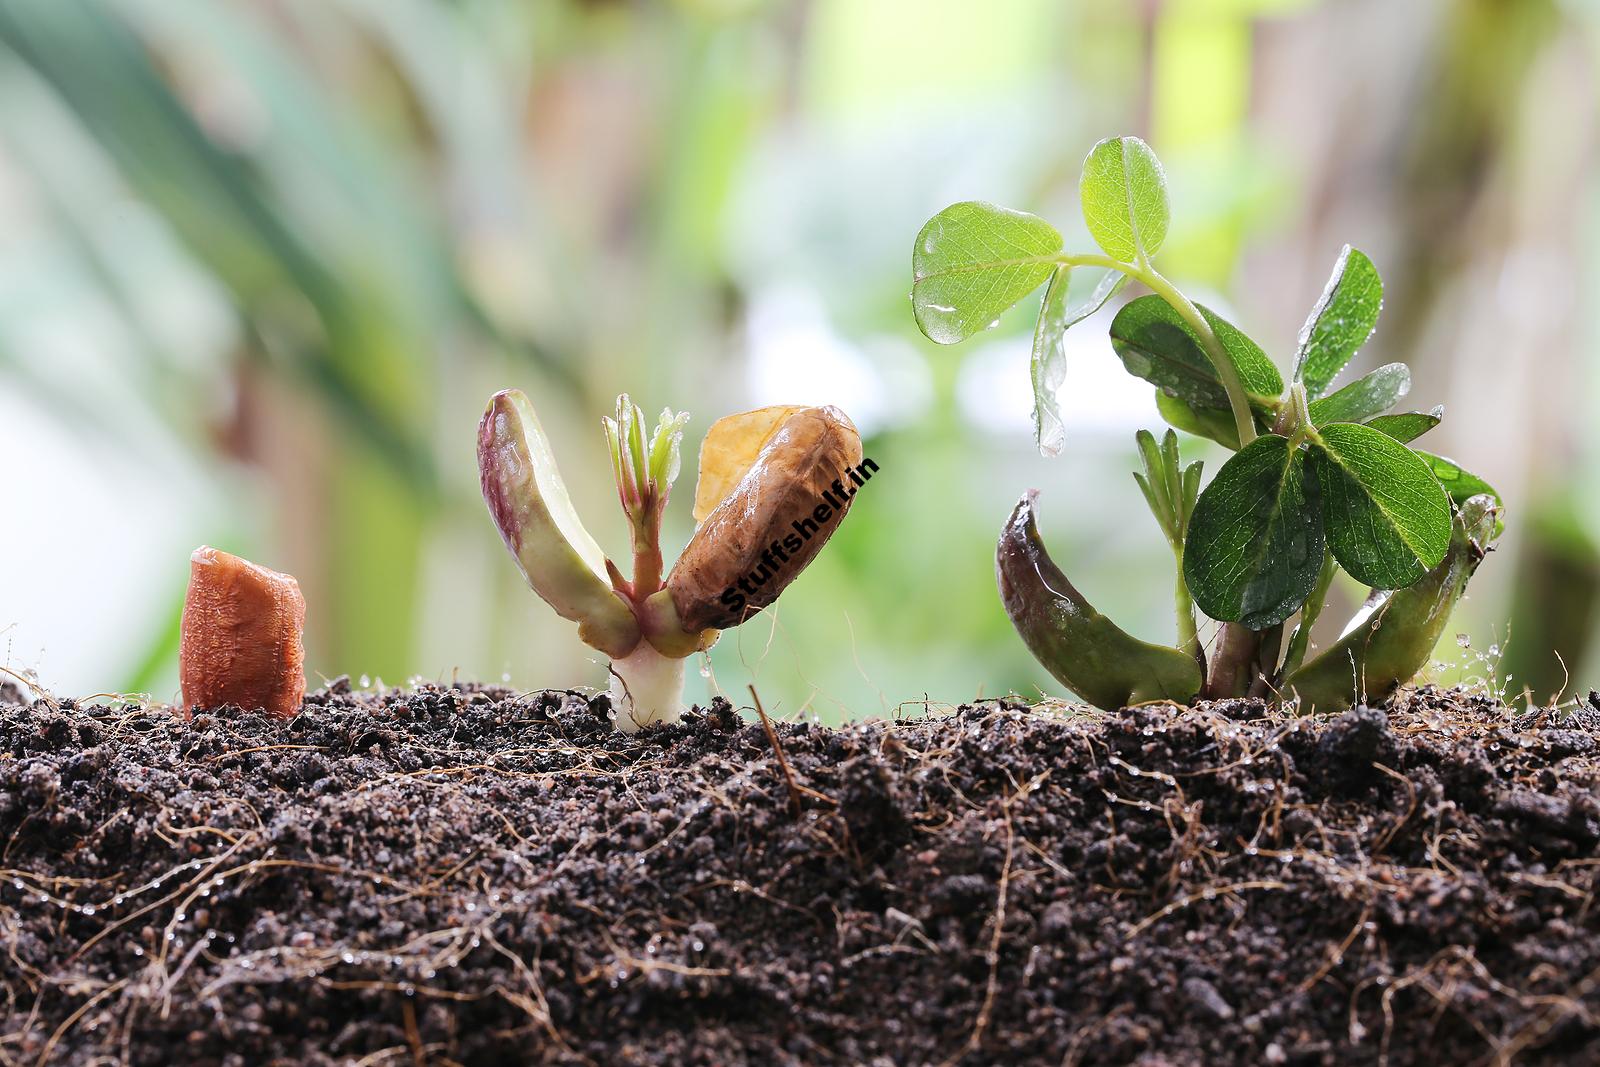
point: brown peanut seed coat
(813, 448)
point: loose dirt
(474, 876)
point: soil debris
(471, 875)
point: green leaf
(1461, 485)
(1214, 423)
(1084, 650)
(1408, 425)
(1369, 395)
(666, 458)
(1155, 344)
(1056, 316)
(1124, 196)
(1340, 323)
(1255, 539)
(1386, 518)
(973, 261)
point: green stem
(1301, 641)
(1238, 396)
(1167, 489)
(1182, 601)
(1188, 635)
(1090, 259)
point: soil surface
(480, 877)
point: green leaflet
(1407, 426)
(1215, 423)
(1124, 196)
(1155, 344)
(1388, 648)
(1387, 520)
(1049, 368)
(1461, 485)
(1367, 396)
(1081, 648)
(1340, 323)
(1255, 540)
(972, 262)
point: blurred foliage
(1554, 608)
(263, 261)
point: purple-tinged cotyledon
(834, 501)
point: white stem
(646, 688)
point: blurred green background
(262, 262)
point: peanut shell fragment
(240, 640)
(794, 488)
(731, 445)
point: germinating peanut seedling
(1320, 479)
(764, 475)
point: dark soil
(473, 876)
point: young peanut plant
(1319, 481)
(773, 485)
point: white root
(646, 688)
